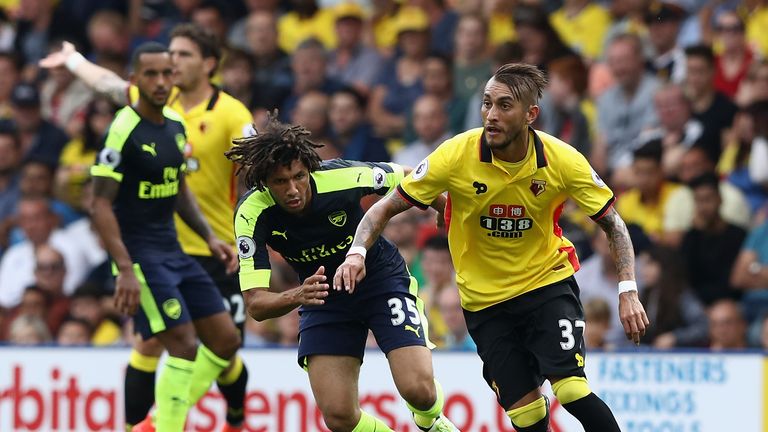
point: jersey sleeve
(586, 187)
(430, 177)
(250, 240)
(378, 178)
(110, 161)
(241, 122)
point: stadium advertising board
(56, 389)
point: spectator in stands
(442, 22)
(402, 230)
(738, 161)
(352, 63)
(471, 62)
(109, 37)
(566, 112)
(501, 25)
(74, 332)
(645, 203)
(582, 25)
(756, 13)
(288, 329)
(29, 330)
(438, 82)
(750, 273)
(80, 152)
(9, 77)
(400, 82)
(754, 87)
(382, 32)
(709, 106)
(456, 335)
(39, 223)
(710, 247)
(679, 211)
(272, 66)
(50, 271)
(430, 121)
(668, 61)
(597, 314)
(86, 304)
(625, 109)
(678, 129)
(308, 64)
(439, 274)
(312, 112)
(733, 62)
(39, 137)
(237, 76)
(10, 156)
(597, 280)
(37, 181)
(237, 32)
(352, 135)
(34, 302)
(679, 316)
(91, 245)
(727, 327)
(540, 42)
(210, 16)
(307, 20)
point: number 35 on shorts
(403, 309)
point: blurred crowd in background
(669, 102)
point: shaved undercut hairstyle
(526, 82)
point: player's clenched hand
(313, 290)
(127, 292)
(349, 273)
(633, 316)
(224, 253)
(58, 58)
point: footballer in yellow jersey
(507, 184)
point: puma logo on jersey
(414, 330)
(149, 148)
(246, 218)
(281, 234)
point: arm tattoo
(376, 219)
(620, 244)
(113, 87)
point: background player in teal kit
(307, 210)
(138, 183)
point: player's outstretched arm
(188, 210)
(352, 270)
(127, 287)
(263, 304)
(631, 311)
(100, 79)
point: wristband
(627, 286)
(73, 61)
(357, 250)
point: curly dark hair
(274, 144)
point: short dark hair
(652, 150)
(705, 180)
(8, 128)
(437, 242)
(525, 81)
(571, 68)
(146, 48)
(235, 56)
(206, 41)
(359, 98)
(275, 144)
(701, 51)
